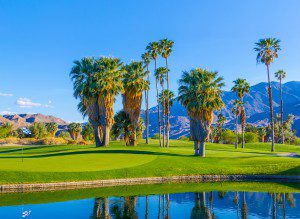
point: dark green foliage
(74, 130)
(52, 128)
(5, 130)
(38, 130)
(88, 132)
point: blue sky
(40, 39)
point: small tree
(6, 130)
(52, 128)
(88, 132)
(220, 123)
(38, 130)
(74, 130)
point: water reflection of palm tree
(200, 210)
(147, 209)
(101, 209)
(129, 207)
(274, 206)
(244, 207)
(236, 202)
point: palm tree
(241, 87)
(146, 59)
(74, 130)
(166, 98)
(262, 132)
(134, 84)
(109, 84)
(153, 49)
(280, 75)
(52, 128)
(166, 46)
(236, 112)
(160, 75)
(267, 51)
(84, 79)
(200, 92)
(220, 123)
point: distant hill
(257, 107)
(24, 120)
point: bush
(53, 141)
(65, 135)
(228, 137)
(183, 138)
(155, 136)
(38, 130)
(6, 130)
(251, 137)
(88, 132)
(296, 141)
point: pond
(202, 200)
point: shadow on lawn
(27, 148)
(101, 152)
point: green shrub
(296, 141)
(251, 137)
(6, 130)
(155, 136)
(38, 130)
(88, 132)
(65, 135)
(228, 137)
(183, 138)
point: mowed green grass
(75, 163)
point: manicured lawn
(74, 163)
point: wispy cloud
(5, 95)
(5, 112)
(24, 102)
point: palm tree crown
(134, 77)
(160, 74)
(280, 75)
(165, 47)
(267, 50)
(200, 91)
(241, 86)
(153, 49)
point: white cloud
(5, 112)
(24, 102)
(5, 95)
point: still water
(195, 204)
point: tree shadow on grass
(102, 152)
(26, 148)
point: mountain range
(256, 104)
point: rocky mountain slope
(257, 107)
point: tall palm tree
(160, 75)
(166, 49)
(220, 123)
(241, 87)
(153, 49)
(146, 59)
(200, 92)
(267, 51)
(280, 75)
(52, 128)
(166, 98)
(236, 112)
(74, 130)
(83, 75)
(134, 82)
(109, 84)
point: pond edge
(35, 187)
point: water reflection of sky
(184, 205)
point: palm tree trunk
(163, 116)
(281, 112)
(196, 147)
(271, 109)
(147, 111)
(168, 107)
(158, 109)
(97, 135)
(236, 132)
(202, 149)
(105, 141)
(243, 136)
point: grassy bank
(142, 190)
(75, 163)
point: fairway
(75, 163)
